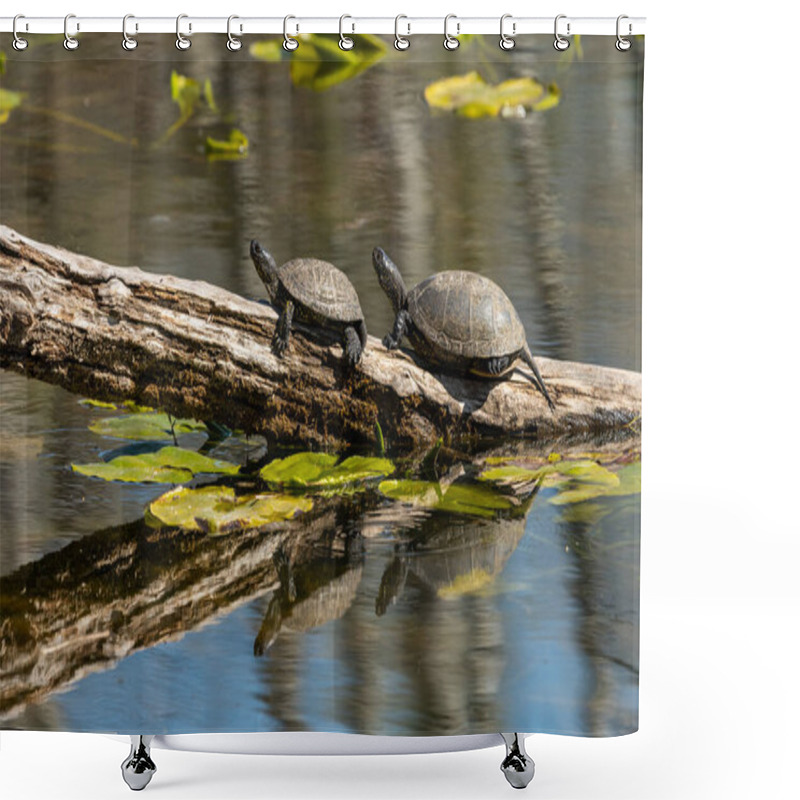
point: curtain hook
(289, 42)
(233, 43)
(128, 42)
(401, 42)
(507, 42)
(345, 42)
(450, 42)
(622, 43)
(560, 42)
(19, 43)
(70, 43)
(182, 42)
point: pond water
(386, 618)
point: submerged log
(196, 350)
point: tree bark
(195, 350)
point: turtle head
(266, 268)
(390, 279)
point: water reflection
(365, 616)
(436, 622)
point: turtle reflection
(309, 595)
(451, 555)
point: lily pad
(145, 426)
(217, 510)
(167, 465)
(462, 498)
(319, 63)
(320, 470)
(234, 146)
(471, 96)
(89, 403)
(8, 102)
(186, 92)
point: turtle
(316, 293)
(459, 321)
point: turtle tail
(539, 383)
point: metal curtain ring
(401, 42)
(19, 43)
(289, 43)
(345, 42)
(181, 41)
(560, 42)
(507, 42)
(233, 43)
(622, 43)
(128, 42)
(70, 43)
(450, 42)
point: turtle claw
(390, 343)
(278, 346)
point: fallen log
(196, 350)
(119, 591)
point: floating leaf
(415, 493)
(145, 426)
(167, 465)
(234, 146)
(461, 498)
(471, 96)
(208, 93)
(8, 102)
(320, 470)
(89, 403)
(319, 63)
(2, 62)
(185, 92)
(217, 510)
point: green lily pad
(416, 493)
(186, 92)
(462, 498)
(89, 403)
(8, 102)
(471, 96)
(145, 426)
(320, 470)
(234, 146)
(217, 510)
(319, 63)
(167, 465)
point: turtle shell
(466, 315)
(322, 288)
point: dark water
(430, 622)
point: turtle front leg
(282, 330)
(401, 322)
(352, 347)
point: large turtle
(316, 293)
(460, 321)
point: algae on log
(195, 350)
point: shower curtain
(225, 506)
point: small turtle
(459, 321)
(316, 293)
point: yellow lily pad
(8, 102)
(217, 510)
(235, 145)
(167, 465)
(461, 498)
(320, 470)
(145, 426)
(471, 96)
(319, 63)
